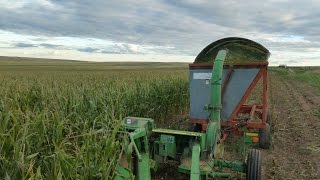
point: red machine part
(234, 122)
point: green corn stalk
(62, 123)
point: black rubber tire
(265, 137)
(268, 118)
(194, 127)
(253, 165)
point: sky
(157, 31)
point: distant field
(33, 64)
(310, 75)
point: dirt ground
(295, 151)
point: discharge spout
(216, 84)
(214, 108)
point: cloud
(53, 46)
(110, 52)
(92, 45)
(19, 4)
(24, 45)
(181, 27)
(88, 49)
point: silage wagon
(222, 78)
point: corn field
(63, 124)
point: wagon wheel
(253, 165)
(268, 118)
(264, 137)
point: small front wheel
(264, 137)
(254, 165)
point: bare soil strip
(295, 151)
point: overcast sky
(162, 30)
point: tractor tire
(253, 165)
(264, 137)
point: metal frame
(257, 109)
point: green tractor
(222, 78)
